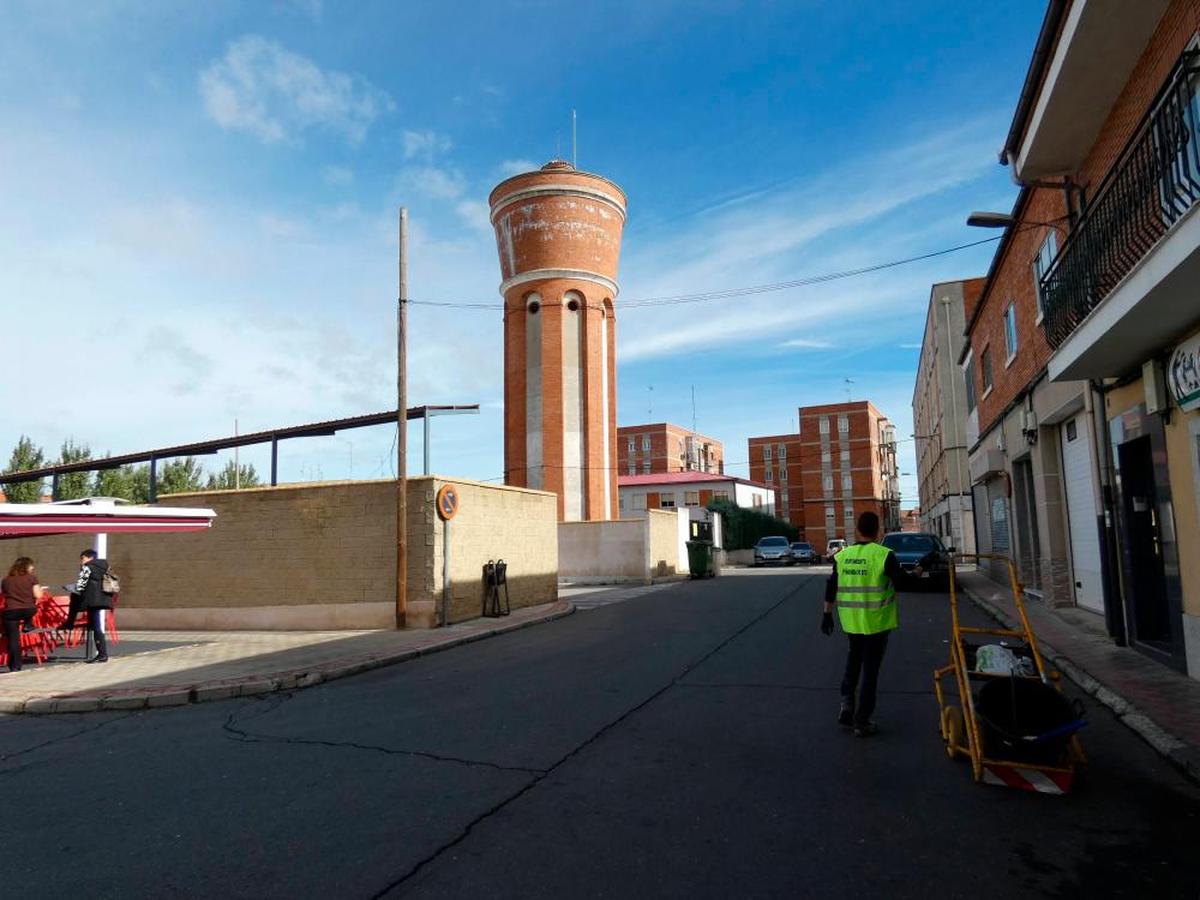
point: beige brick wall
(493, 522)
(330, 548)
(664, 542)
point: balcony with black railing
(1152, 186)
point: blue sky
(198, 205)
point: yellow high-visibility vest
(866, 598)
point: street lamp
(980, 219)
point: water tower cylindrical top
(558, 222)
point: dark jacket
(89, 586)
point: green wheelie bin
(700, 559)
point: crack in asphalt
(57, 740)
(774, 686)
(421, 864)
(234, 731)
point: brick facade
(864, 454)
(558, 235)
(775, 460)
(663, 447)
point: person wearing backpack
(89, 594)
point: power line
(730, 293)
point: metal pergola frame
(272, 436)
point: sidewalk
(1160, 704)
(172, 668)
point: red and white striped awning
(98, 516)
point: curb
(1182, 755)
(258, 684)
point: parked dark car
(773, 551)
(913, 548)
(802, 552)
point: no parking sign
(447, 502)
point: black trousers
(94, 622)
(12, 630)
(863, 661)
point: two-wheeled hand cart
(1017, 728)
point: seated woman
(21, 594)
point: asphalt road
(677, 744)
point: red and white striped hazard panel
(1027, 779)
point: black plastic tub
(1025, 720)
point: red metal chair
(39, 641)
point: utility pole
(402, 429)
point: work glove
(827, 624)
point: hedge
(743, 527)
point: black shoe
(846, 714)
(866, 729)
(96, 659)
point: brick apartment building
(663, 447)
(841, 464)
(775, 461)
(1083, 364)
(940, 416)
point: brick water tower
(558, 232)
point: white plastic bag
(995, 659)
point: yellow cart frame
(960, 725)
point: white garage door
(1081, 511)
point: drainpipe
(1110, 580)
(957, 449)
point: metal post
(426, 420)
(402, 429)
(153, 479)
(274, 461)
(445, 572)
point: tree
(25, 456)
(231, 477)
(181, 476)
(743, 527)
(124, 482)
(76, 484)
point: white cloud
(804, 227)
(282, 228)
(432, 181)
(806, 344)
(337, 175)
(425, 145)
(272, 93)
(512, 167)
(909, 346)
(476, 214)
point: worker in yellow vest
(863, 588)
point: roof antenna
(574, 144)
